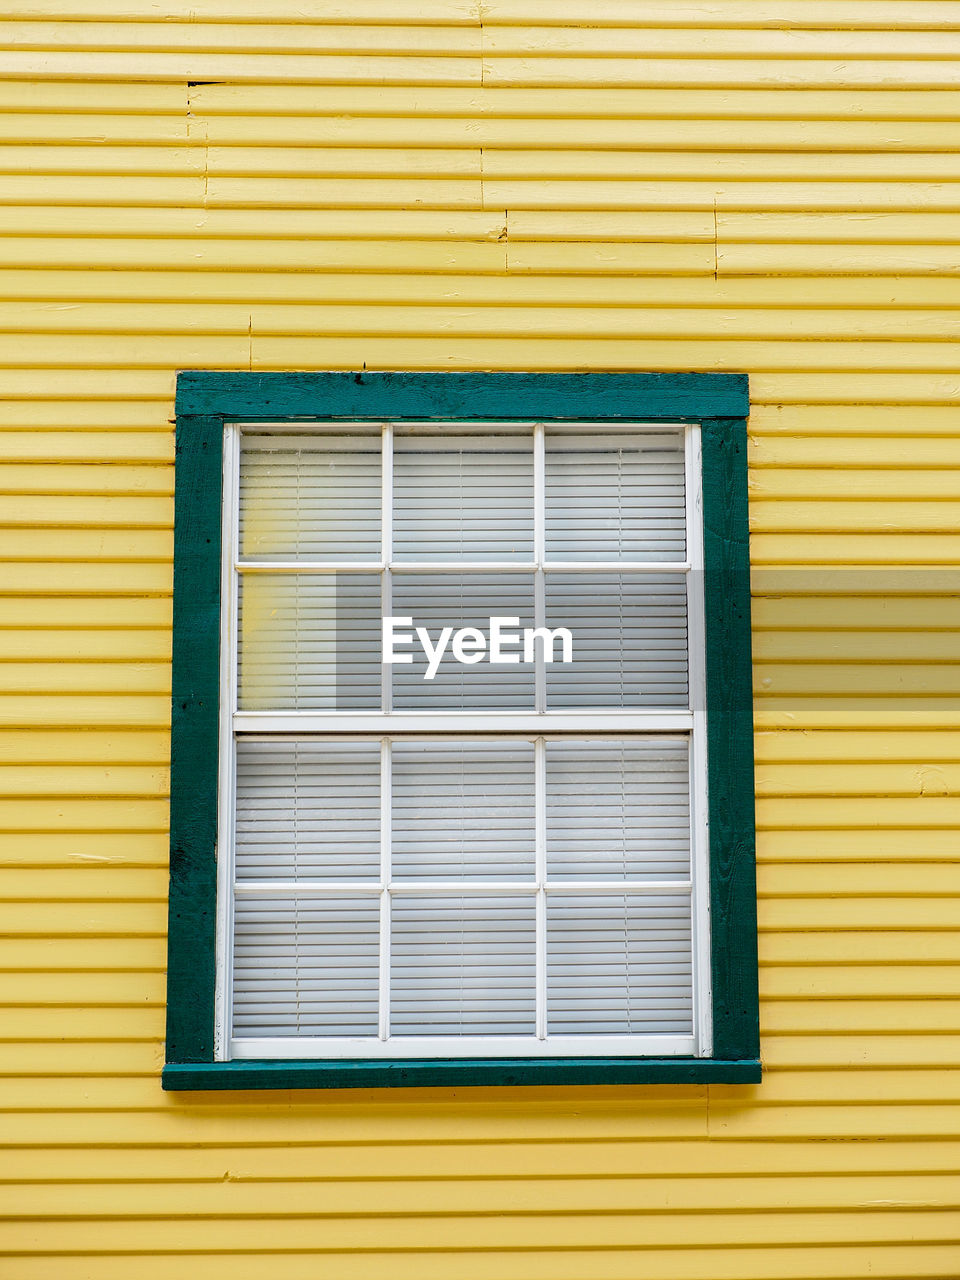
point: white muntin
(469, 645)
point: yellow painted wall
(770, 186)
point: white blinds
(619, 965)
(630, 644)
(618, 810)
(309, 642)
(305, 966)
(413, 889)
(463, 966)
(310, 495)
(462, 498)
(451, 887)
(308, 810)
(312, 642)
(463, 809)
(317, 495)
(615, 497)
(436, 600)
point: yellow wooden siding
(515, 184)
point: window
(462, 754)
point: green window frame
(205, 401)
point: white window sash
(461, 1047)
(581, 723)
(533, 724)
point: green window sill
(440, 1073)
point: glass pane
(308, 810)
(310, 495)
(619, 964)
(629, 640)
(435, 601)
(463, 810)
(463, 966)
(463, 497)
(618, 809)
(618, 496)
(306, 966)
(309, 642)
